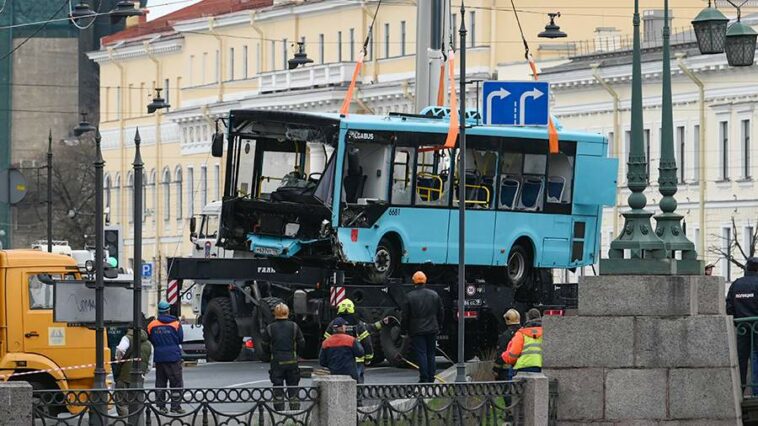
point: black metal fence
(219, 406)
(746, 330)
(479, 403)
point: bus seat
(531, 193)
(555, 187)
(353, 184)
(509, 188)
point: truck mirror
(193, 225)
(45, 279)
(217, 145)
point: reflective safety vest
(531, 354)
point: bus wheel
(519, 266)
(385, 262)
(222, 341)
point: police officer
(742, 302)
(500, 369)
(357, 329)
(284, 340)
(422, 316)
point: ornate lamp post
(460, 366)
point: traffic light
(114, 243)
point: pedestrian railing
(216, 406)
(478, 403)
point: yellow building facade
(210, 60)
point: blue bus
(378, 195)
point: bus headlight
(290, 230)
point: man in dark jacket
(742, 302)
(422, 316)
(500, 369)
(357, 329)
(339, 351)
(166, 335)
(125, 351)
(284, 340)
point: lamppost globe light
(740, 45)
(552, 30)
(124, 9)
(84, 126)
(81, 10)
(157, 103)
(301, 58)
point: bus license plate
(268, 251)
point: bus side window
(401, 176)
(510, 179)
(533, 188)
(432, 177)
(560, 178)
(480, 179)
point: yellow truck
(60, 356)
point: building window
(190, 192)
(244, 62)
(386, 40)
(130, 197)
(204, 66)
(258, 58)
(370, 53)
(179, 192)
(726, 248)
(166, 92)
(747, 240)
(402, 38)
(284, 54)
(217, 181)
(745, 149)
(217, 67)
(204, 185)
(116, 212)
(166, 183)
(230, 73)
(154, 194)
(107, 191)
(724, 150)
(472, 28)
(681, 152)
(454, 20)
(696, 152)
(191, 69)
(321, 48)
(339, 46)
(351, 46)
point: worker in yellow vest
(524, 351)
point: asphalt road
(255, 374)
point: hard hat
(512, 317)
(346, 306)
(163, 306)
(281, 311)
(533, 314)
(419, 278)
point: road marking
(245, 383)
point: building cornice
(137, 50)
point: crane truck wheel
(394, 348)
(222, 341)
(260, 321)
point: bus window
(480, 179)
(278, 169)
(560, 178)
(401, 176)
(511, 179)
(366, 173)
(432, 177)
(533, 185)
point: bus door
(480, 214)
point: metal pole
(460, 366)
(99, 285)
(50, 192)
(137, 283)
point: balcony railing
(306, 77)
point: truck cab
(30, 339)
(205, 236)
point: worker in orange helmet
(422, 316)
(524, 351)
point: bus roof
(420, 124)
(27, 257)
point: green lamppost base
(637, 236)
(651, 267)
(669, 230)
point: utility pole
(429, 36)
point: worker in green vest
(524, 351)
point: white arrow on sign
(501, 93)
(535, 94)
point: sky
(159, 8)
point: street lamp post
(99, 267)
(137, 283)
(460, 366)
(50, 192)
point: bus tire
(222, 340)
(518, 269)
(267, 316)
(385, 264)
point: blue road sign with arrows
(516, 103)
